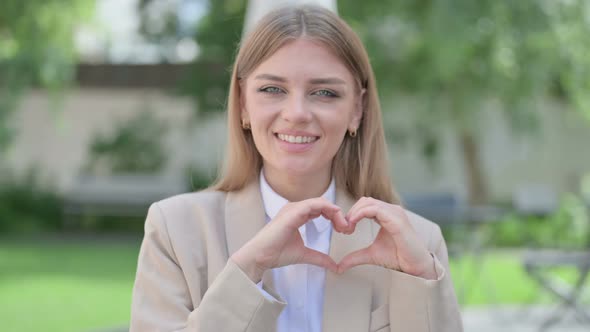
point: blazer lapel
(347, 297)
(244, 218)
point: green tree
(217, 34)
(455, 56)
(36, 49)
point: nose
(296, 110)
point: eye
(270, 90)
(325, 93)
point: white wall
(556, 156)
(58, 142)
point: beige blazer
(185, 281)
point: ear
(357, 115)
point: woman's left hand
(396, 246)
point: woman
(303, 231)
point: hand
(279, 242)
(396, 246)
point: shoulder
(427, 230)
(200, 200)
(190, 210)
(189, 223)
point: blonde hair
(360, 165)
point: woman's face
(300, 103)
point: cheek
(260, 122)
(337, 120)
(256, 115)
(260, 108)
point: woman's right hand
(279, 242)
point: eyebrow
(270, 78)
(326, 80)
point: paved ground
(518, 319)
(505, 319)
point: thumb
(317, 258)
(359, 257)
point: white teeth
(296, 139)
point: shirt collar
(274, 202)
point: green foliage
(36, 48)
(27, 204)
(566, 228)
(458, 57)
(571, 27)
(457, 54)
(217, 34)
(134, 146)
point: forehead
(304, 58)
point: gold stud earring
(352, 133)
(245, 124)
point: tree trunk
(478, 191)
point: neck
(296, 187)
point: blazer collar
(244, 215)
(347, 297)
(244, 218)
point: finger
(340, 223)
(315, 207)
(359, 257)
(317, 258)
(369, 211)
(390, 219)
(299, 213)
(362, 202)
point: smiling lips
(297, 139)
(298, 143)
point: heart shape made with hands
(396, 246)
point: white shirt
(302, 285)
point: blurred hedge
(567, 228)
(27, 204)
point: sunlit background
(109, 105)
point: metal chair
(536, 262)
(569, 296)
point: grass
(56, 285)
(84, 284)
(499, 278)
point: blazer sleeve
(161, 300)
(427, 305)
